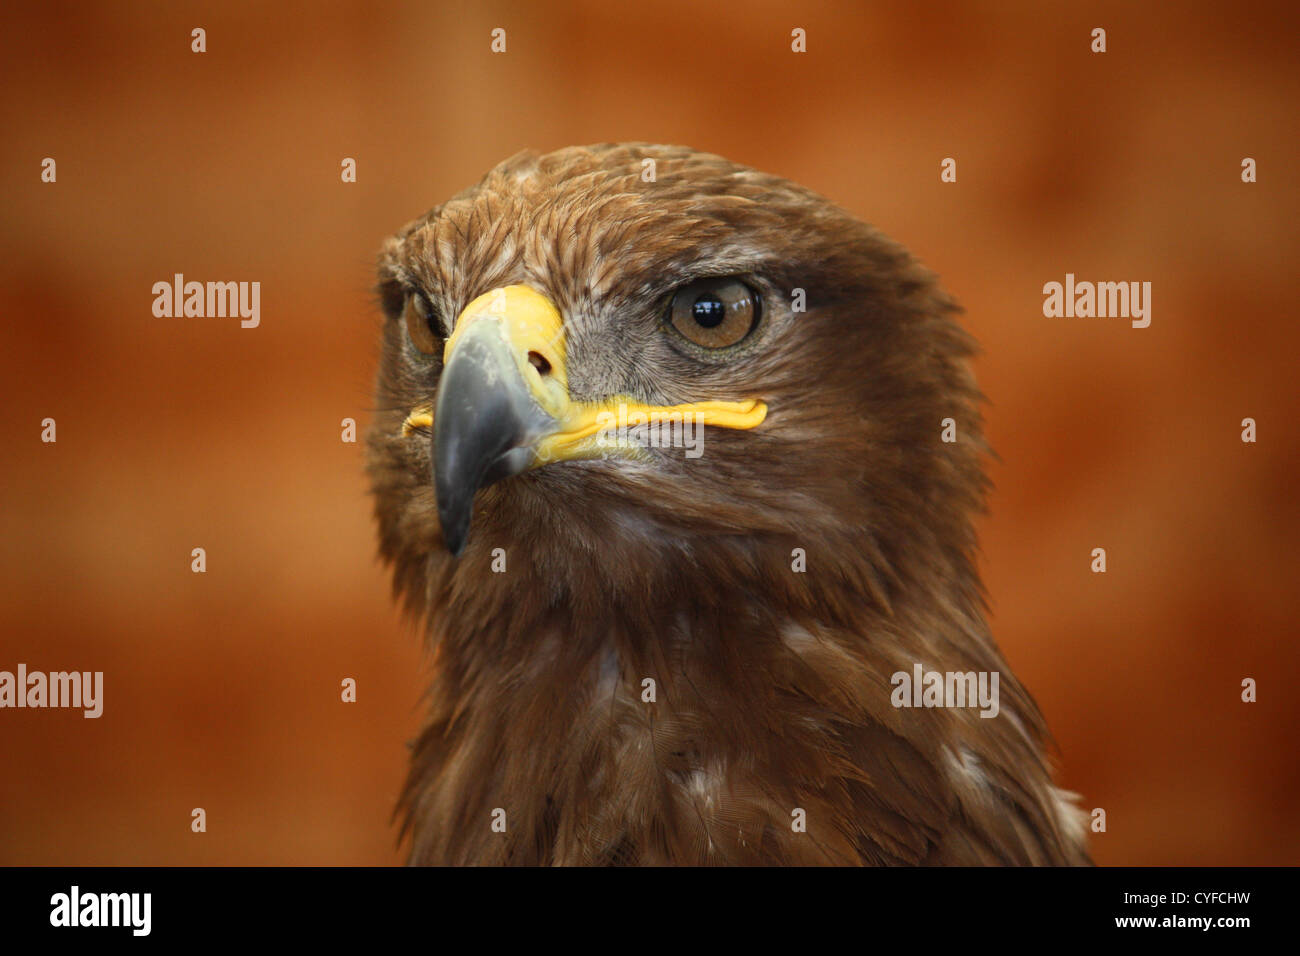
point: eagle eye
(418, 316)
(714, 313)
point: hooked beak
(503, 405)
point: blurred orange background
(222, 689)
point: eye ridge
(715, 312)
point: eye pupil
(708, 311)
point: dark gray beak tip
(455, 540)
(455, 496)
(482, 430)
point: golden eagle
(660, 459)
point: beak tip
(454, 534)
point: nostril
(538, 361)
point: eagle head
(677, 461)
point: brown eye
(714, 313)
(418, 317)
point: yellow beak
(503, 404)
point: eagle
(676, 463)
